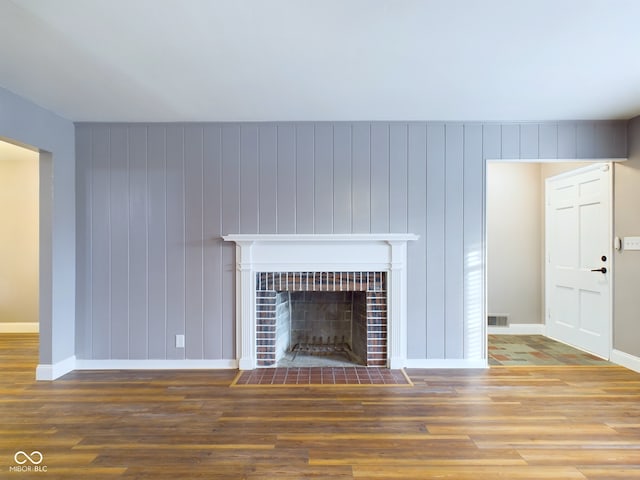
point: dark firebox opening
(322, 324)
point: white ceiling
(217, 60)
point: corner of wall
(626, 337)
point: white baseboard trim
(56, 370)
(155, 364)
(20, 327)
(445, 363)
(519, 329)
(626, 360)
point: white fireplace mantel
(335, 253)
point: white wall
(514, 241)
(19, 199)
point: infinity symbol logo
(31, 458)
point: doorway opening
(517, 302)
(20, 242)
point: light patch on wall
(474, 303)
(19, 242)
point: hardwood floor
(502, 423)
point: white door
(578, 258)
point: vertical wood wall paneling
(156, 241)
(176, 247)
(611, 139)
(230, 179)
(138, 234)
(510, 137)
(548, 133)
(249, 209)
(398, 178)
(380, 177)
(342, 191)
(268, 178)
(305, 194)
(194, 242)
(454, 235)
(230, 224)
(323, 178)
(100, 251)
(474, 198)
(585, 140)
(215, 323)
(492, 141)
(435, 241)
(567, 140)
(417, 223)
(119, 241)
(153, 201)
(84, 172)
(603, 138)
(361, 178)
(286, 179)
(529, 141)
(619, 134)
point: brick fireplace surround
(373, 284)
(374, 263)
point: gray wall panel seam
(127, 132)
(220, 247)
(277, 154)
(426, 236)
(166, 292)
(90, 255)
(109, 233)
(333, 178)
(203, 244)
(465, 292)
(370, 176)
(146, 165)
(446, 247)
(352, 176)
(184, 241)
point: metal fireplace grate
(320, 346)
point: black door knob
(601, 270)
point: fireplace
(367, 270)
(321, 314)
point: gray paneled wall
(153, 201)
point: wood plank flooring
(503, 423)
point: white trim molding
(626, 360)
(333, 253)
(518, 329)
(155, 364)
(456, 363)
(56, 370)
(20, 327)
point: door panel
(578, 225)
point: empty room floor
(561, 422)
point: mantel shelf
(347, 237)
